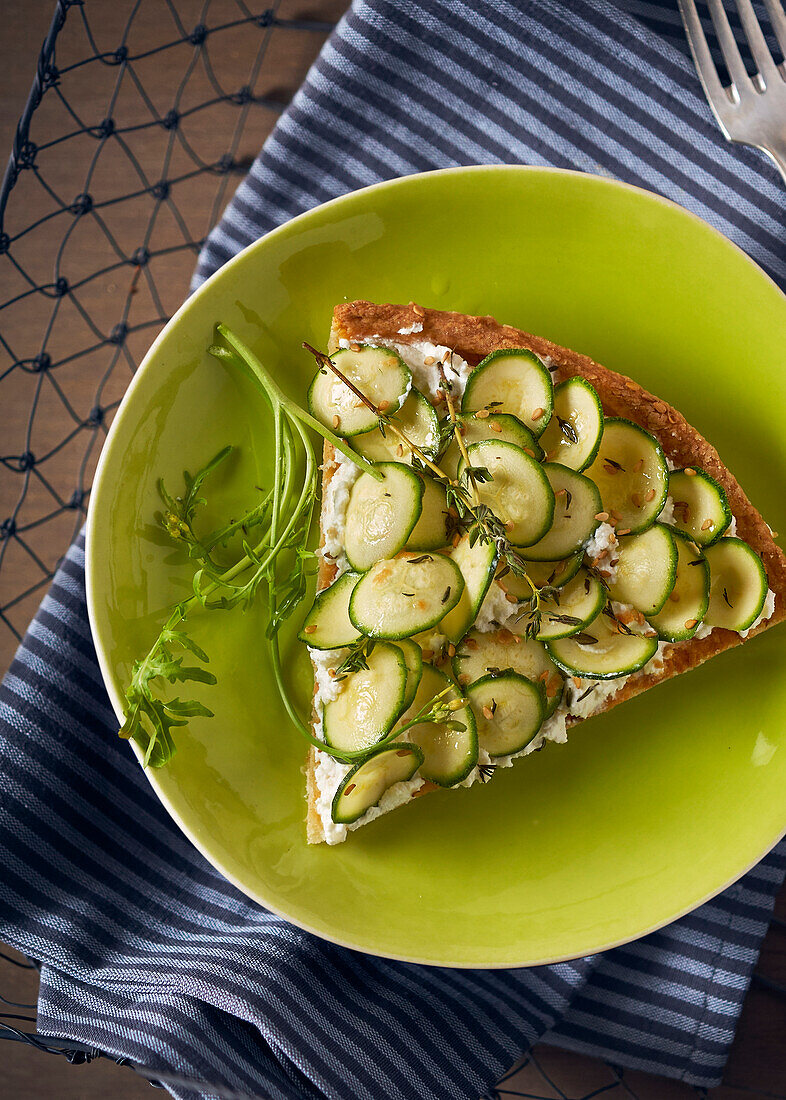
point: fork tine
(759, 48)
(705, 66)
(778, 20)
(729, 48)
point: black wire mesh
(141, 116)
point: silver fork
(752, 110)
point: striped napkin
(148, 953)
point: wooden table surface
(757, 1066)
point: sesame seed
(456, 539)
(350, 788)
(429, 361)
(650, 495)
(481, 414)
(602, 516)
(400, 450)
(312, 629)
(636, 498)
(690, 623)
(354, 347)
(451, 650)
(605, 572)
(495, 426)
(446, 356)
(690, 471)
(471, 643)
(510, 599)
(488, 713)
(610, 470)
(631, 385)
(383, 406)
(576, 681)
(639, 466)
(336, 420)
(537, 413)
(419, 311)
(624, 531)
(332, 673)
(706, 525)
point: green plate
(649, 810)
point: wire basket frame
(142, 116)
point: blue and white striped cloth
(147, 952)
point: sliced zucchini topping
(509, 710)
(576, 426)
(738, 585)
(477, 564)
(363, 786)
(571, 608)
(512, 381)
(328, 625)
(480, 654)
(551, 573)
(381, 514)
(577, 504)
(379, 374)
(604, 650)
(646, 570)
(514, 487)
(369, 703)
(687, 603)
(431, 530)
(413, 659)
(701, 509)
(417, 419)
(631, 472)
(489, 425)
(402, 596)
(450, 749)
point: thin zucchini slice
(576, 426)
(577, 503)
(509, 710)
(631, 473)
(417, 419)
(512, 381)
(576, 605)
(687, 603)
(480, 654)
(602, 652)
(519, 493)
(402, 596)
(363, 786)
(701, 508)
(477, 564)
(380, 374)
(381, 515)
(413, 659)
(327, 625)
(369, 703)
(431, 530)
(738, 585)
(646, 570)
(555, 573)
(485, 425)
(449, 755)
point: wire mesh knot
(198, 34)
(7, 529)
(105, 128)
(26, 154)
(118, 333)
(26, 461)
(170, 120)
(82, 204)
